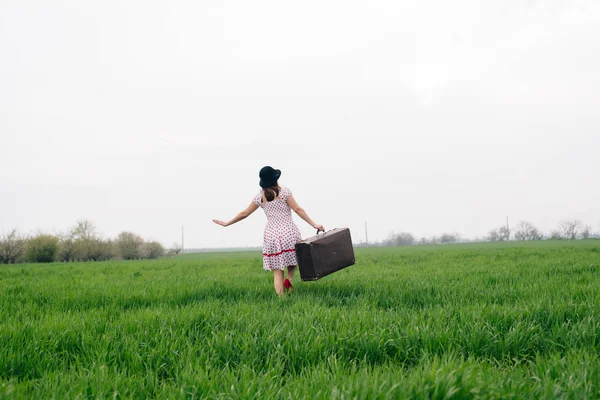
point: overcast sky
(419, 116)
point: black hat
(268, 176)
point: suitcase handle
(319, 230)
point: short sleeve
(257, 199)
(285, 193)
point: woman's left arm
(302, 214)
(243, 214)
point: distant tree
(99, 249)
(556, 235)
(526, 231)
(493, 236)
(67, 246)
(449, 238)
(175, 249)
(586, 232)
(85, 229)
(153, 250)
(12, 248)
(87, 241)
(129, 245)
(504, 233)
(41, 249)
(569, 229)
(431, 240)
(109, 250)
(500, 234)
(400, 239)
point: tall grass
(462, 321)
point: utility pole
(182, 239)
(366, 234)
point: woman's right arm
(301, 213)
(243, 214)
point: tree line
(80, 243)
(83, 243)
(523, 231)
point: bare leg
(278, 282)
(291, 269)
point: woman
(281, 233)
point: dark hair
(271, 192)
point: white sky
(427, 117)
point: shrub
(129, 245)
(67, 247)
(41, 249)
(98, 249)
(93, 249)
(12, 248)
(153, 250)
(106, 250)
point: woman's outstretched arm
(302, 214)
(243, 214)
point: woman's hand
(218, 222)
(319, 227)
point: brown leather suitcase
(324, 254)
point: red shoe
(288, 285)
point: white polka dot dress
(281, 233)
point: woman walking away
(281, 233)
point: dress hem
(278, 254)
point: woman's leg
(278, 281)
(291, 269)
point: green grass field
(463, 321)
